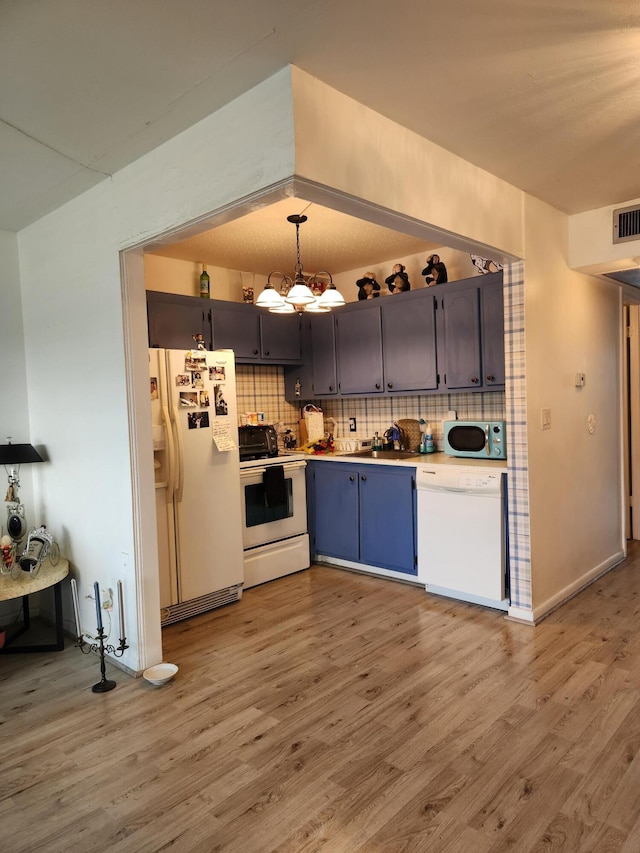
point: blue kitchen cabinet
(175, 320)
(363, 514)
(254, 335)
(387, 518)
(280, 337)
(459, 338)
(336, 511)
(409, 342)
(323, 355)
(493, 372)
(298, 379)
(236, 326)
(359, 348)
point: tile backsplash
(261, 388)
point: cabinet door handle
(377, 386)
(255, 352)
(474, 380)
(389, 384)
(491, 378)
(330, 387)
(363, 478)
(266, 352)
(352, 479)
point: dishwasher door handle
(450, 489)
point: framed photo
(222, 407)
(217, 373)
(198, 420)
(188, 399)
(195, 361)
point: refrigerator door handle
(171, 453)
(179, 456)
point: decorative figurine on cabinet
(368, 287)
(435, 271)
(398, 281)
(485, 265)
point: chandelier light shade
(295, 294)
(270, 298)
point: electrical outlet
(352, 424)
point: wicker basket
(412, 429)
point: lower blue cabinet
(336, 507)
(364, 514)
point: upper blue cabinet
(427, 341)
(176, 321)
(409, 337)
(359, 348)
(254, 335)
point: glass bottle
(204, 283)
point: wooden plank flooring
(329, 711)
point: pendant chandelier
(297, 295)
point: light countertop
(438, 458)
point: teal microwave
(475, 439)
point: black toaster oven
(257, 442)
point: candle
(96, 595)
(121, 610)
(76, 607)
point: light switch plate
(545, 418)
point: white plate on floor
(160, 673)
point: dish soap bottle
(428, 436)
(377, 442)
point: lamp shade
(18, 454)
(269, 298)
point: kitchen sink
(385, 454)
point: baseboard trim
(541, 611)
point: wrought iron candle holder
(105, 684)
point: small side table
(23, 587)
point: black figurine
(368, 287)
(435, 271)
(398, 281)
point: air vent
(626, 224)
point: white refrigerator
(198, 501)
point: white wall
(346, 145)
(14, 420)
(573, 324)
(168, 275)
(71, 290)
(15, 412)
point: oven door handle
(289, 467)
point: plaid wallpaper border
(518, 459)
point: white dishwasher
(461, 533)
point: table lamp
(12, 456)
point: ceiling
(546, 95)
(263, 240)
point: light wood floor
(335, 712)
